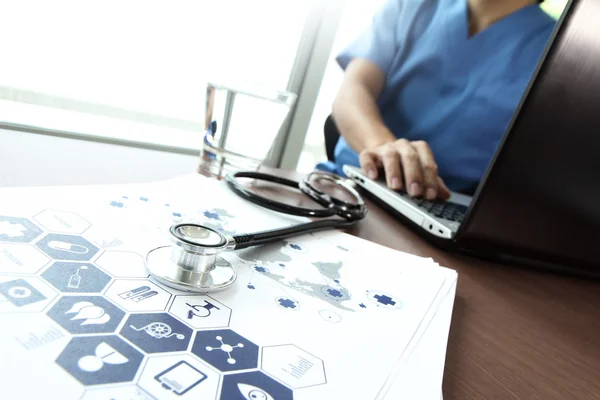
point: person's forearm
(358, 118)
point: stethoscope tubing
(332, 208)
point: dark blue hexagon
(157, 333)
(225, 350)
(99, 360)
(16, 229)
(76, 277)
(67, 247)
(86, 314)
(253, 385)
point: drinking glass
(242, 122)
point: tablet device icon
(180, 378)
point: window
(136, 70)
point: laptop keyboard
(442, 209)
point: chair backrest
(332, 135)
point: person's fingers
(368, 162)
(411, 168)
(443, 191)
(429, 169)
(391, 165)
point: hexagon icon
(138, 295)
(67, 247)
(21, 258)
(99, 360)
(15, 229)
(225, 350)
(157, 333)
(24, 294)
(123, 264)
(76, 277)
(86, 314)
(253, 385)
(179, 377)
(61, 221)
(116, 392)
(293, 366)
(201, 311)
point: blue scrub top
(457, 93)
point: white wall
(28, 159)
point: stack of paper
(320, 316)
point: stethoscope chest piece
(192, 263)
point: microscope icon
(201, 311)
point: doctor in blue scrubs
(430, 88)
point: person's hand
(408, 166)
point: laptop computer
(539, 201)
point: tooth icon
(253, 393)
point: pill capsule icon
(68, 247)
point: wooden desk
(515, 333)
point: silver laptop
(440, 218)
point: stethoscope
(192, 261)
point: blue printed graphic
(144, 199)
(253, 385)
(296, 246)
(67, 247)
(19, 230)
(337, 294)
(362, 305)
(176, 214)
(287, 303)
(117, 204)
(157, 333)
(86, 314)
(251, 286)
(212, 215)
(260, 269)
(76, 277)
(225, 350)
(20, 292)
(384, 300)
(98, 360)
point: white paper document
(320, 316)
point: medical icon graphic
(99, 360)
(17, 230)
(20, 293)
(253, 393)
(68, 247)
(75, 279)
(201, 311)
(157, 333)
(12, 230)
(159, 330)
(104, 354)
(226, 348)
(253, 385)
(138, 294)
(86, 314)
(180, 378)
(89, 313)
